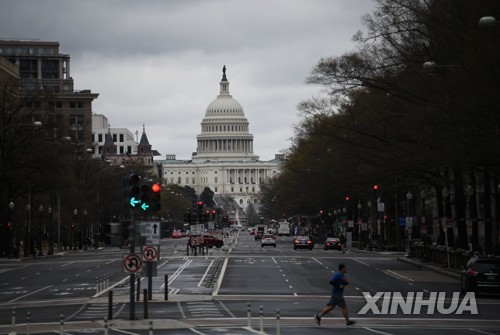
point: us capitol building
(224, 159)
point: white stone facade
(224, 160)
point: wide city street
(241, 288)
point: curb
(431, 267)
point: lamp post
(360, 222)
(409, 221)
(85, 230)
(27, 242)
(10, 248)
(370, 227)
(51, 233)
(75, 213)
(445, 193)
(40, 235)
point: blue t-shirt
(338, 282)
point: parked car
(303, 242)
(268, 239)
(333, 243)
(482, 274)
(176, 234)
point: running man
(338, 281)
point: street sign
(152, 233)
(132, 263)
(150, 253)
(381, 207)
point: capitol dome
(224, 129)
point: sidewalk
(452, 272)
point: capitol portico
(224, 160)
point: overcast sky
(159, 62)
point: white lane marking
(480, 331)
(69, 263)
(205, 274)
(398, 275)
(26, 295)
(123, 331)
(377, 331)
(314, 259)
(227, 310)
(274, 260)
(357, 260)
(111, 261)
(179, 306)
(196, 331)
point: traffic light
(214, 215)
(145, 196)
(132, 189)
(347, 198)
(156, 198)
(375, 188)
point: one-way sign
(152, 233)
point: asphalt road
(216, 293)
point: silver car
(268, 239)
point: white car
(268, 239)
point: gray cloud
(159, 62)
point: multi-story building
(224, 160)
(117, 146)
(45, 72)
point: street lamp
(40, 235)
(85, 232)
(409, 221)
(27, 242)
(360, 222)
(487, 21)
(51, 233)
(75, 212)
(370, 226)
(11, 233)
(445, 193)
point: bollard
(261, 308)
(13, 320)
(106, 327)
(145, 304)
(110, 304)
(61, 325)
(151, 327)
(278, 331)
(28, 323)
(166, 287)
(97, 285)
(138, 288)
(106, 282)
(249, 316)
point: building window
(50, 69)
(232, 189)
(193, 180)
(80, 104)
(216, 190)
(59, 104)
(215, 179)
(187, 180)
(121, 137)
(99, 138)
(72, 104)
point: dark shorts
(336, 300)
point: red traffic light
(375, 187)
(156, 188)
(347, 198)
(213, 211)
(200, 203)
